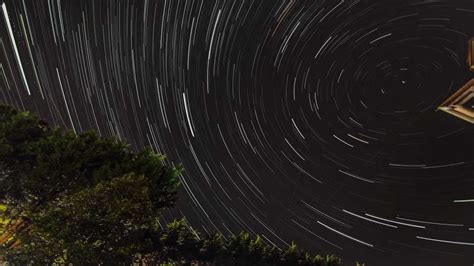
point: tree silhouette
(87, 200)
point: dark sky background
(297, 120)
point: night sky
(312, 121)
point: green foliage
(78, 195)
(39, 163)
(108, 221)
(180, 243)
(88, 200)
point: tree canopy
(180, 243)
(39, 164)
(78, 195)
(87, 200)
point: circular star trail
(312, 121)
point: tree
(39, 164)
(84, 199)
(107, 223)
(76, 195)
(180, 243)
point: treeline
(87, 200)
(181, 244)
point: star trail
(312, 121)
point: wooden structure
(461, 103)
